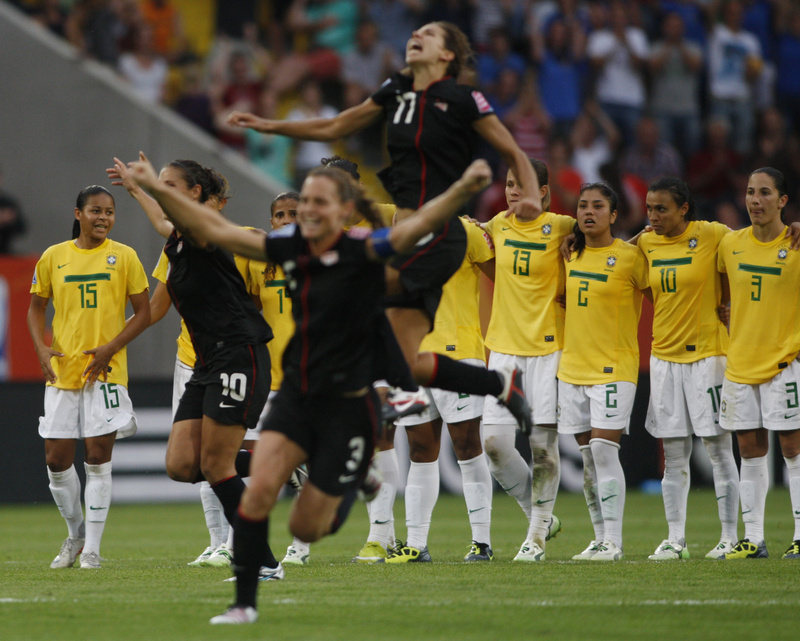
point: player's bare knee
(305, 529)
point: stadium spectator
(242, 91)
(12, 221)
(457, 12)
(396, 19)
(143, 68)
(693, 14)
(713, 170)
(525, 117)
(676, 65)
(491, 15)
(498, 58)
(166, 22)
(565, 180)
(618, 54)
(649, 157)
(734, 63)
(308, 152)
(788, 62)
(594, 138)
(270, 153)
(51, 15)
(94, 28)
(193, 101)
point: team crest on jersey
(359, 233)
(782, 253)
(611, 261)
(692, 243)
(179, 248)
(480, 101)
(722, 407)
(546, 229)
(111, 260)
(329, 258)
(440, 104)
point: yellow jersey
(529, 273)
(186, 353)
(90, 290)
(765, 305)
(604, 300)
(686, 292)
(276, 306)
(457, 327)
(385, 211)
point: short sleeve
(565, 225)
(41, 283)
(640, 276)
(386, 91)
(162, 268)
(137, 279)
(479, 249)
(721, 267)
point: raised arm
(199, 221)
(494, 132)
(433, 214)
(343, 124)
(120, 176)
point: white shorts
(773, 405)
(93, 410)
(452, 407)
(539, 383)
(605, 407)
(685, 397)
(180, 377)
(261, 418)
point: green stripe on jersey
(519, 244)
(574, 273)
(665, 262)
(758, 269)
(86, 278)
(276, 283)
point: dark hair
(777, 177)
(350, 191)
(613, 201)
(679, 191)
(456, 41)
(344, 164)
(80, 203)
(290, 195)
(193, 173)
(542, 175)
(219, 187)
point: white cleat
(222, 557)
(530, 552)
(200, 561)
(295, 555)
(592, 549)
(90, 561)
(266, 574)
(720, 550)
(70, 549)
(607, 551)
(669, 551)
(236, 615)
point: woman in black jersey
(231, 377)
(432, 123)
(326, 412)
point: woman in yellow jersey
(760, 391)
(599, 366)
(456, 333)
(688, 359)
(90, 280)
(526, 332)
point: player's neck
(600, 241)
(768, 233)
(425, 76)
(88, 243)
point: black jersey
(429, 136)
(336, 305)
(210, 295)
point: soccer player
(432, 124)
(456, 332)
(526, 331)
(90, 280)
(760, 390)
(688, 359)
(326, 410)
(599, 366)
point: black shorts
(232, 391)
(338, 434)
(424, 272)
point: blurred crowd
(621, 91)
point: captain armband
(380, 243)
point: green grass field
(145, 591)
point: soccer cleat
(90, 561)
(591, 549)
(222, 557)
(794, 550)
(235, 615)
(607, 551)
(554, 528)
(401, 403)
(669, 551)
(295, 556)
(70, 549)
(479, 552)
(530, 552)
(266, 574)
(407, 554)
(298, 478)
(370, 485)
(721, 549)
(513, 398)
(200, 561)
(744, 549)
(372, 552)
